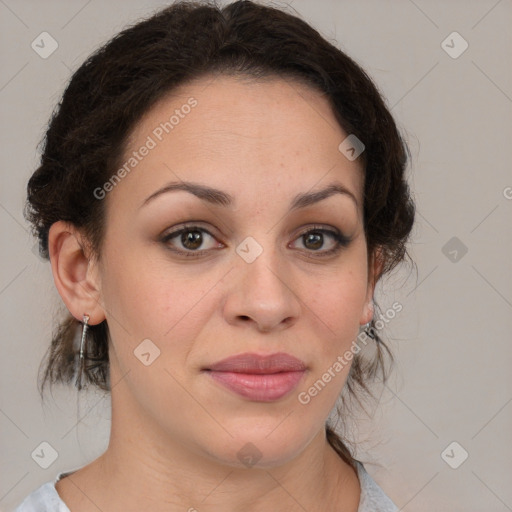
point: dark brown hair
(123, 79)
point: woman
(219, 193)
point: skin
(175, 432)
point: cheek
(137, 301)
(139, 289)
(336, 311)
(338, 299)
(147, 297)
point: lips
(256, 364)
(258, 378)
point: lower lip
(260, 388)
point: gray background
(452, 381)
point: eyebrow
(220, 198)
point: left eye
(314, 240)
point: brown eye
(190, 240)
(314, 239)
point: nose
(262, 294)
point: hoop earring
(83, 349)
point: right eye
(191, 238)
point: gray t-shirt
(46, 498)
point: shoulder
(44, 499)
(373, 498)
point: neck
(138, 477)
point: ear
(76, 277)
(375, 265)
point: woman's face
(244, 278)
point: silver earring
(83, 349)
(368, 329)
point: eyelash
(341, 240)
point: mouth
(258, 378)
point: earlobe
(75, 278)
(368, 311)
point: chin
(257, 449)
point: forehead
(238, 133)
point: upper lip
(259, 364)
